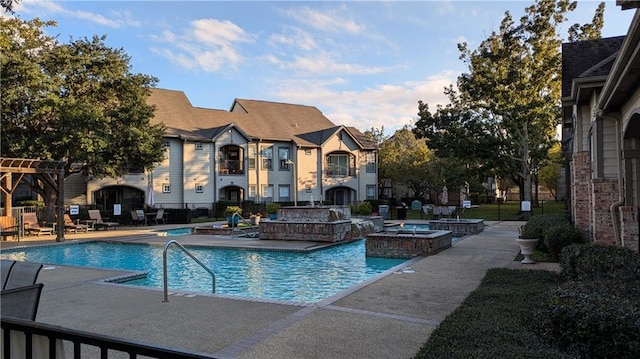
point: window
(283, 156)
(166, 188)
(307, 152)
(166, 143)
(370, 157)
(252, 158)
(283, 192)
(199, 188)
(338, 165)
(252, 193)
(198, 145)
(371, 191)
(267, 157)
(267, 193)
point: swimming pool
(174, 232)
(299, 277)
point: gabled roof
(587, 59)
(257, 120)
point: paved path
(389, 317)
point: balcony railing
(231, 167)
(80, 339)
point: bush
(365, 208)
(539, 225)
(556, 238)
(231, 210)
(594, 262)
(272, 208)
(593, 319)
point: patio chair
(160, 216)
(8, 227)
(136, 217)
(5, 269)
(22, 274)
(21, 302)
(70, 225)
(95, 215)
(31, 225)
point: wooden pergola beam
(53, 174)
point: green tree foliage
(590, 31)
(511, 94)
(76, 102)
(407, 160)
(549, 174)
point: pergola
(53, 174)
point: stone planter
(527, 247)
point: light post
(295, 182)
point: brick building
(601, 132)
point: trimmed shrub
(599, 319)
(556, 238)
(538, 224)
(595, 262)
(365, 208)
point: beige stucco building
(258, 150)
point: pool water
(299, 277)
(175, 232)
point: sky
(362, 63)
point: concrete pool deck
(390, 317)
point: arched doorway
(341, 195)
(232, 193)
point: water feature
(313, 223)
(459, 227)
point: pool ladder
(164, 267)
(252, 234)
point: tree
(75, 102)
(589, 31)
(549, 174)
(7, 5)
(513, 86)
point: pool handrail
(164, 267)
(244, 220)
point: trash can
(402, 212)
(384, 211)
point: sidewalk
(390, 317)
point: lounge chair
(160, 217)
(22, 274)
(8, 227)
(70, 225)
(95, 215)
(5, 269)
(31, 225)
(137, 217)
(21, 302)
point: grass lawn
(509, 211)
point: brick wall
(580, 192)
(604, 192)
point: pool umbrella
(445, 195)
(150, 200)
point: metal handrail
(164, 269)
(244, 220)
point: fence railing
(53, 337)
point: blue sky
(363, 64)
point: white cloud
(391, 105)
(330, 20)
(118, 19)
(207, 44)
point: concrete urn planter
(527, 247)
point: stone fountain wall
(320, 224)
(406, 244)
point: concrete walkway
(387, 317)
